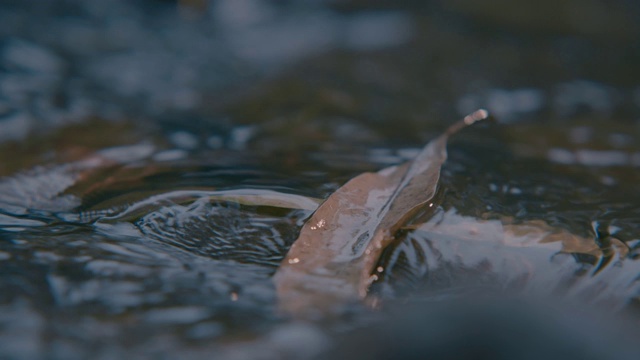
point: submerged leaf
(332, 261)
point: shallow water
(157, 162)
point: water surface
(139, 141)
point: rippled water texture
(158, 159)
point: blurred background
(372, 62)
(294, 96)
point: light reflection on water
(195, 265)
(156, 236)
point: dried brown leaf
(332, 261)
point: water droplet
(319, 225)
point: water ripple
(221, 232)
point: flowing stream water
(158, 159)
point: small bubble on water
(603, 157)
(561, 156)
(240, 136)
(184, 140)
(515, 191)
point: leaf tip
(477, 115)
